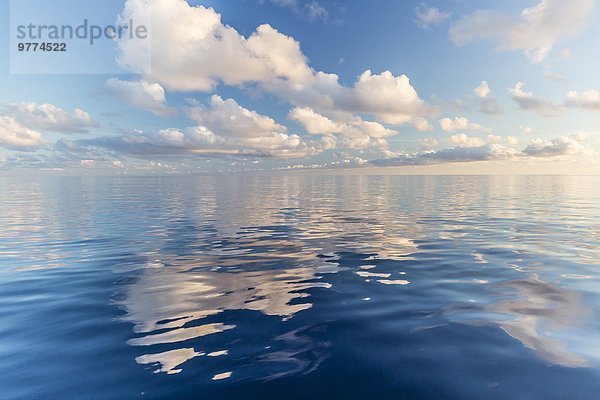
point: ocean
(297, 286)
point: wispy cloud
(309, 10)
(553, 76)
(535, 30)
(427, 16)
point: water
(295, 287)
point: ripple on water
(174, 286)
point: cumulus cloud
(390, 98)
(430, 16)
(495, 138)
(202, 142)
(588, 100)
(459, 124)
(313, 122)
(422, 125)
(462, 140)
(351, 132)
(48, 117)
(22, 124)
(481, 99)
(224, 128)
(200, 52)
(512, 140)
(483, 90)
(528, 102)
(13, 135)
(228, 119)
(237, 127)
(535, 30)
(428, 144)
(485, 152)
(561, 146)
(141, 94)
(527, 130)
(486, 103)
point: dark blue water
(296, 287)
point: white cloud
(462, 140)
(224, 128)
(422, 125)
(16, 136)
(484, 102)
(535, 31)
(207, 53)
(528, 102)
(483, 90)
(479, 100)
(228, 119)
(48, 117)
(142, 94)
(428, 144)
(512, 140)
(588, 100)
(458, 124)
(485, 152)
(350, 132)
(430, 16)
(200, 141)
(495, 138)
(527, 130)
(193, 50)
(539, 148)
(313, 122)
(561, 146)
(390, 98)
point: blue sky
(249, 84)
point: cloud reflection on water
(199, 252)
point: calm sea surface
(300, 287)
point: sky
(434, 87)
